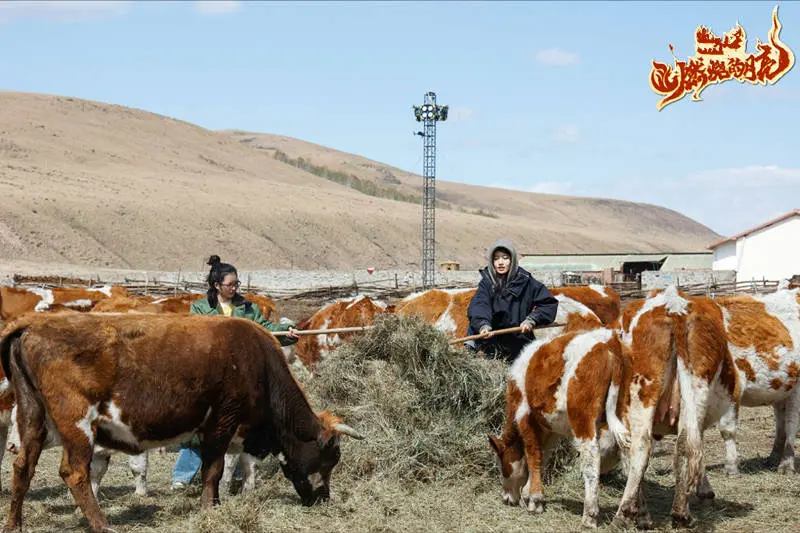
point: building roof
(599, 262)
(733, 238)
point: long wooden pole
(322, 331)
(502, 332)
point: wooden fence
(630, 290)
(390, 287)
(379, 288)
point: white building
(768, 251)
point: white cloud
(62, 11)
(746, 177)
(726, 200)
(555, 57)
(217, 7)
(567, 134)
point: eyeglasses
(233, 285)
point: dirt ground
(758, 500)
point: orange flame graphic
(717, 60)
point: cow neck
(293, 420)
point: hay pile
(425, 408)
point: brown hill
(95, 184)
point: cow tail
(8, 344)
(690, 437)
(15, 365)
(615, 424)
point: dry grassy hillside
(94, 184)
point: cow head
(513, 468)
(309, 465)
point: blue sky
(544, 97)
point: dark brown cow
(132, 382)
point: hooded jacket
(507, 303)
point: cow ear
(497, 444)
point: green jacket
(244, 309)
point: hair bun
(213, 260)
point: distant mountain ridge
(96, 184)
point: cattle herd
(98, 372)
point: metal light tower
(429, 113)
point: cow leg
(779, 410)
(138, 465)
(74, 418)
(30, 425)
(727, 428)
(213, 465)
(231, 460)
(220, 429)
(641, 422)
(100, 461)
(74, 470)
(3, 439)
(791, 421)
(590, 467)
(532, 492)
(704, 489)
(643, 518)
(248, 465)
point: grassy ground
(758, 500)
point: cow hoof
(786, 467)
(589, 522)
(732, 470)
(706, 495)
(536, 506)
(682, 521)
(621, 521)
(644, 522)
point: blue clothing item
(189, 463)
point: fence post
(177, 281)
(396, 286)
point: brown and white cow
(180, 304)
(342, 313)
(566, 386)
(666, 334)
(133, 382)
(17, 301)
(764, 339)
(446, 309)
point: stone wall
(661, 279)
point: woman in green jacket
(223, 299)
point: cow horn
(347, 430)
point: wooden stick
(322, 331)
(503, 332)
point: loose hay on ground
(424, 407)
(391, 499)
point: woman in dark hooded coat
(508, 296)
